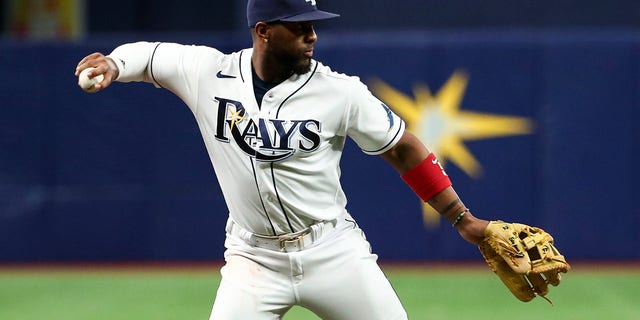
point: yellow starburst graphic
(438, 121)
(235, 117)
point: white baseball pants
(337, 278)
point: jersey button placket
(266, 190)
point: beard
(297, 64)
(302, 67)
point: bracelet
(460, 217)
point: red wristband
(427, 178)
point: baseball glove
(524, 258)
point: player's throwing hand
(102, 66)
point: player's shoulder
(335, 78)
(204, 51)
(211, 56)
(323, 70)
(200, 49)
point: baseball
(87, 83)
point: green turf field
(427, 293)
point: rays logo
(313, 2)
(268, 140)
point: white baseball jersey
(277, 163)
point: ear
(262, 30)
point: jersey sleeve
(166, 65)
(371, 123)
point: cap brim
(310, 16)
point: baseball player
(274, 122)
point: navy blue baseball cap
(284, 10)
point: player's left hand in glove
(524, 258)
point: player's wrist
(471, 228)
(459, 217)
(114, 67)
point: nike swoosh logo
(224, 76)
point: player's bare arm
(102, 65)
(408, 153)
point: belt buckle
(297, 240)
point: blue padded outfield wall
(123, 175)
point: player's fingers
(85, 65)
(92, 56)
(103, 84)
(88, 61)
(97, 68)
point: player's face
(291, 44)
